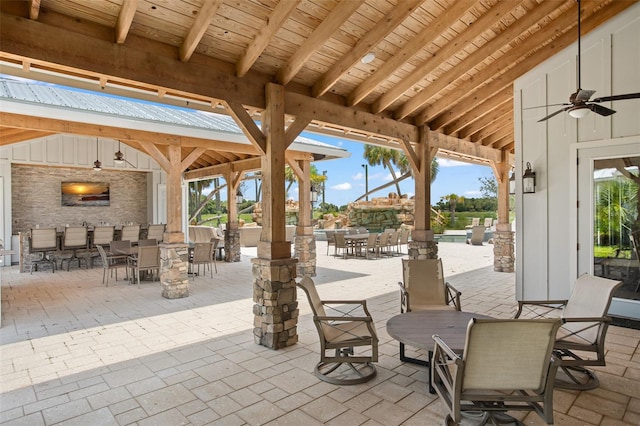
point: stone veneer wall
(37, 200)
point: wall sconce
(314, 195)
(512, 183)
(239, 197)
(529, 180)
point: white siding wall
(547, 220)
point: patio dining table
(417, 328)
(356, 242)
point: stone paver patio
(76, 353)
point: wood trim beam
(245, 165)
(294, 130)
(471, 127)
(507, 36)
(34, 9)
(10, 135)
(125, 18)
(436, 28)
(256, 47)
(412, 156)
(452, 47)
(248, 126)
(453, 144)
(59, 126)
(498, 124)
(157, 155)
(191, 157)
(203, 19)
(371, 39)
(295, 167)
(338, 15)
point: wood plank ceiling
(446, 64)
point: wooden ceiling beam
(503, 137)
(203, 19)
(453, 144)
(501, 127)
(519, 26)
(338, 15)
(222, 169)
(10, 135)
(59, 126)
(34, 9)
(366, 44)
(280, 14)
(464, 128)
(503, 72)
(440, 24)
(125, 18)
(453, 46)
(497, 122)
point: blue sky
(346, 177)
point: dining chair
(74, 239)
(405, 233)
(331, 238)
(147, 258)
(383, 241)
(156, 231)
(42, 243)
(342, 325)
(506, 365)
(112, 263)
(130, 233)
(371, 249)
(101, 236)
(583, 333)
(148, 242)
(202, 254)
(340, 244)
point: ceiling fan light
(579, 111)
(97, 165)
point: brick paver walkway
(76, 353)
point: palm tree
(291, 178)
(376, 155)
(453, 201)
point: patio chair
(74, 239)
(43, 242)
(371, 249)
(102, 236)
(584, 330)
(405, 233)
(148, 242)
(331, 238)
(423, 288)
(130, 233)
(202, 254)
(342, 325)
(147, 259)
(475, 221)
(383, 243)
(477, 236)
(156, 231)
(112, 263)
(488, 222)
(340, 244)
(506, 365)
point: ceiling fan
(119, 157)
(579, 104)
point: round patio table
(417, 328)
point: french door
(608, 212)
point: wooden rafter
(125, 18)
(199, 27)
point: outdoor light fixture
(512, 183)
(118, 156)
(314, 195)
(368, 58)
(239, 198)
(97, 165)
(529, 180)
(579, 111)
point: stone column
(173, 270)
(423, 246)
(275, 309)
(503, 248)
(305, 251)
(232, 245)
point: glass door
(609, 221)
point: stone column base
(423, 249)
(173, 270)
(503, 251)
(232, 245)
(305, 252)
(276, 308)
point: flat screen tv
(85, 194)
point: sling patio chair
(43, 242)
(506, 365)
(156, 231)
(423, 288)
(342, 325)
(583, 332)
(74, 239)
(477, 236)
(112, 263)
(203, 254)
(147, 258)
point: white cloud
(342, 187)
(472, 194)
(358, 176)
(445, 162)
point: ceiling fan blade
(617, 97)
(599, 109)
(129, 163)
(584, 95)
(553, 114)
(544, 106)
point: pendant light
(97, 165)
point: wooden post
(174, 232)
(503, 246)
